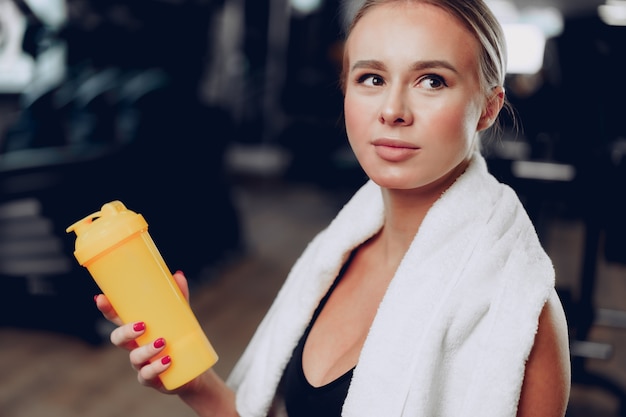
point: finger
(181, 280)
(107, 310)
(149, 374)
(145, 354)
(124, 336)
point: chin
(393, 183)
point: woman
(436, 296)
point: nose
(396, 109)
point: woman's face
(413, 102)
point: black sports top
(301, 398)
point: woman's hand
(207, 394)
(144, 359)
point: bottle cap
(104, 229)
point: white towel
(456, 325)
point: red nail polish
(139, 326)
(159, 343)
(165, 360)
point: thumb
(182, 283)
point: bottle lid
(104, 229)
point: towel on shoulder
(456, 325)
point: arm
(207, 394)
(210, 397)
(546, 387)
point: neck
(405, 211)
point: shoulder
(546, 386)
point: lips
(394, 150)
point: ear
(492, 108)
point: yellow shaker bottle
(117, 250)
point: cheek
(355, 115)
(458, 123)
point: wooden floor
(54, 375)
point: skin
(413, 110)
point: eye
(371, 80)
(432, 82)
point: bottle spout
(104, 229)
(80, 225)
(109, 209)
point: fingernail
(139, 326)
(179, 272)
(166, 359)
(159, 343)
(95, 298)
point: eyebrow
(416, 66)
